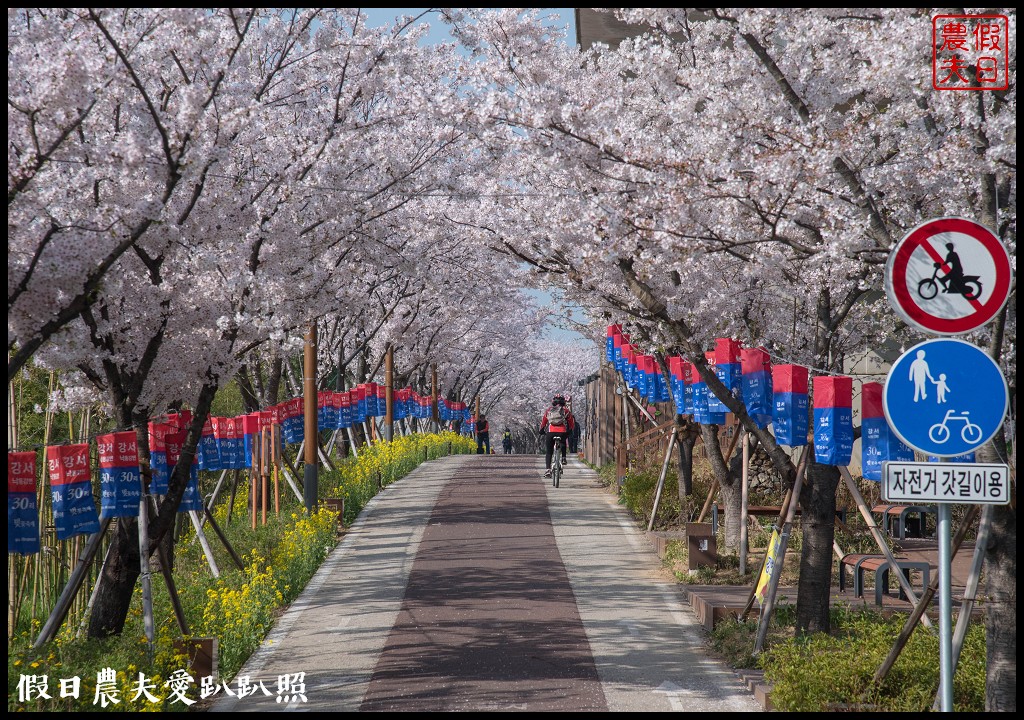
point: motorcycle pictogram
(969, 285)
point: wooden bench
(881, 566)
(898, 519)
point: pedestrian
(483, 436)
(574, 439)
(506, 441)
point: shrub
(820, 671)
(638, 491)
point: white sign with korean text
(954, 483)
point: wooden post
(664, 472)
(216, 489)
(234, 490)
(744, 499)
(780, 562)
(78, 576)
(310, 479)
(865, 512)
(264, 472)
(783, 513)
(254, 481)
(275, 458)
(194, 516)
(389, 394)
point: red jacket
(570, 420)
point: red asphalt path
(489, 620)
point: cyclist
(557, 422)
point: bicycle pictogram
(939, 432)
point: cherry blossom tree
(746, 175)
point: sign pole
(945, 609)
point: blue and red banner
(120, 478)
(74, 511)
(208, 450)
(727, 368)
(833, 420)
(191, 500)
(687, 387)
(620, 342)
(878, 443)
(22, 511)
(250, 434)
(675, 371)
(609, 346)
(755, 369)
(789, 414)
(701, 411)
(293, 423)
(629, 366)
(158, 457)
(358, 398)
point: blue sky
(438, 32)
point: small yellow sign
(766, 569)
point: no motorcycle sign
(948, 276)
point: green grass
(823, 671)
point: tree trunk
(274, 379)
(818, 505)
(687, 438)
(729, 479)
(117, 581)
(249, 399)
(1001, 612)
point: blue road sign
(945, 397)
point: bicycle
(940, 433)
(556, 462)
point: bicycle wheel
(557, 474)
(927, 288)
(971, 433)
(938, 434)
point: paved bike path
(472, 584)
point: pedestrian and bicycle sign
(914, 483)
(945, 397)
(948, 276)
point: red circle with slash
(920, 279)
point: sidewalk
(472, 584)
